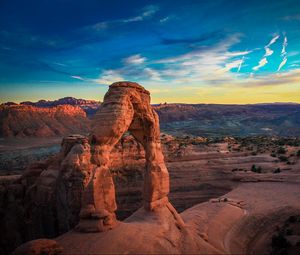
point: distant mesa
(211, 120)
(31, 121)
(62, 101)
(89, 106)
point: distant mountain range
(30, 121)
(282, 119)
(89, 106)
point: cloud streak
(283, 54)
(77, 77)
(261, 63)
(268, 52)
(240, 64)
(210, 65)
(134, 60)
(147, 13)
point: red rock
(126, 107)
(39, 247)
(29, 121)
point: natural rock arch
(126, 107)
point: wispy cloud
(283, 62)
(165, 19)
(261, 63)
(292, 17)
(216, 65)
(146, 13)
(273, 40)
(234, 64)
(108, 77)
(210, 65)
(77, 77)
(213, 35)
(240, 64)
(134, 60)
(284, 45)
(283, 54)
(268, 52)
(274, 79)
(153, 74)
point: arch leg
(98, 201)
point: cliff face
(211, 120)
(89, 106)
(31, 121)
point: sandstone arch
(126, 107)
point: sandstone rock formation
(30, 121)
(126, 107)
(47, 197)
(39, 247)
(240, 223)
(46, 200)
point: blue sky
(182, 51)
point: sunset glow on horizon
(228, 52)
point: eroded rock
(126, 107)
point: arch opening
(126, 107)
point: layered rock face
(89, 106)
(46, 200)
(126, 107)
(31, 121)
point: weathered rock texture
(49, 197)
(126, 107)
(30, 121)
(39, 247)
(46, 200)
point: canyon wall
(30, 121)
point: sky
(221, 51)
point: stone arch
(126, 107)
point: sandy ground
(240, 224)
(241, 220)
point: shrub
(283, 158)
(281, 150)
(292, 219)
(273, 155)
(277, 170)
(289, 232)
(279, 241)
(256, 169)
(298, 153)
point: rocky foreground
(238, 223)
(200, 169)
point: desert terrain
(235, 194)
